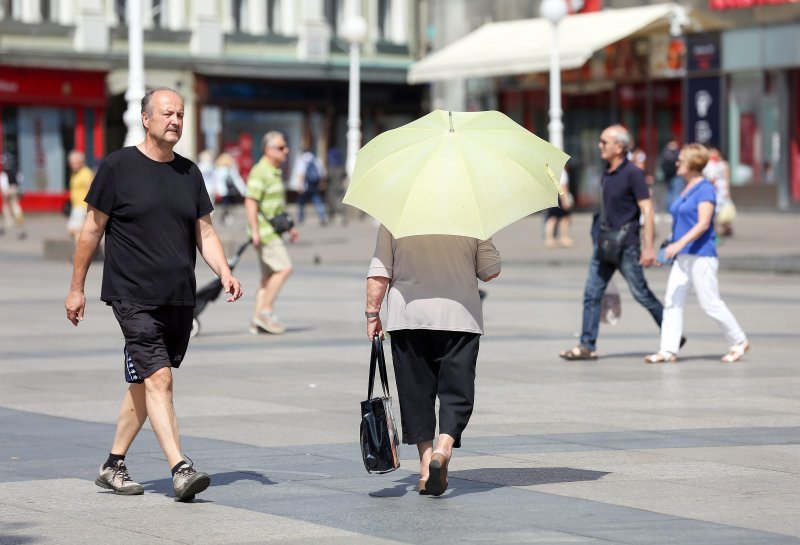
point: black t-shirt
(622, 189)
(153, 209)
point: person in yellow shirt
(79, 183)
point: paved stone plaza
(613, 451)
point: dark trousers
(427, 364)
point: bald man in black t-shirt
(152, 206)
(625, 197)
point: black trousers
(427, 364)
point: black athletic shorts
(155, 336)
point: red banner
(741, 4)
(20, 85)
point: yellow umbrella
(455, 173)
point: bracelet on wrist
(372, 314)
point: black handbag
(282, 222)
(380, 444)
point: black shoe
(683, 341)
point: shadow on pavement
(164, 486)
(470, 481)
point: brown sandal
(578, 353)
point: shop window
(334, 13)
(160, 14)
(745, 144)
(239, 15)
(385, 20)
(9, 10)
(275, 17)
(120, 10)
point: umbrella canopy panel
(486, 173)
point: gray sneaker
(188, 481)
(118, 479)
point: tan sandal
(736, 352)
(661, 357)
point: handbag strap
(377, 360)
(602, 201)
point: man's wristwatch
(372, 314)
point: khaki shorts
(76, 218)
(274, 258)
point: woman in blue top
(695, 253)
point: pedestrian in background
(718, 173)
(205, 162)
(696, 264)
(435, 319)
(337, 178)
(152, 207)
(311, 174)
(79, 182)
(625, 197)
(229, 186)
(558, 218)
(669, 172)
(266, 199)
(10, 187)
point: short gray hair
(269, 137)
(621, 135)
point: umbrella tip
(451, 121)
(554, 179)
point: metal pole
(555, 127)
(135, 92)
(354, 107)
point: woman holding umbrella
(441, 186)
(436, 321)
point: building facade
(243, 67)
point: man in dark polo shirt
(625, 196)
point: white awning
(523, 46)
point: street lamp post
(355, 32)
(554, 11)
(133, 96)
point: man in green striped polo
(265, 199)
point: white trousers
(700, 272)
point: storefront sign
(703, 102)
(20, 85)
(667, 56)
(739, 4)
(704, 52)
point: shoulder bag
(281, 223)
(610, 241)
(380, 445)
